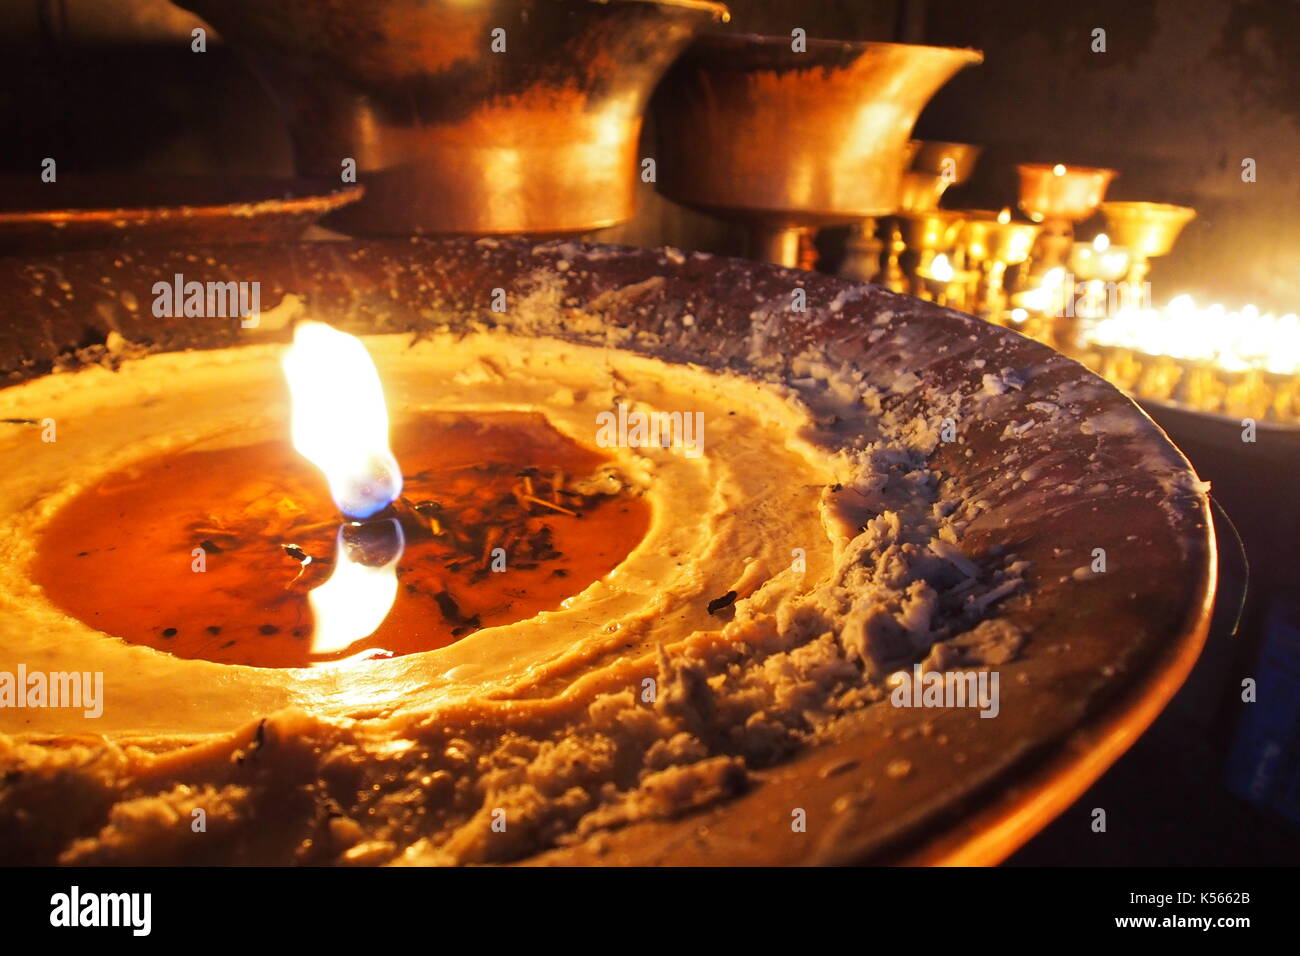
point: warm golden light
(941, 268)
(1102, 242)
(359, 594)
(1232, 340)
(1058, 169)
(1004, 216)
(340, 421)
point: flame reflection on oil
(357, 597)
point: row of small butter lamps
(1212, 359)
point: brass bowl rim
(971, 55)
(1069, 168)
(720, 11)
(1134, 205)
(318, 203)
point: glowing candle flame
(1102, 242)
(1058, 169)
(941, 269)
(340, 421)
(1004, 216)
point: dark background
(1185, 90)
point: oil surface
(121, 556)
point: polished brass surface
(785, 245)
(954, 161)
(894, 278)
(751, 131)
(985, 237)
(922, 236)
(89, 211)
(921, 192)
(1061, 192)
(1146, 229)
(909, 153)
(449, 135)
(933, 231)
(1058, 197)
(930, 167)
(862, 251)
(991, 245)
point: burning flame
(1058, 169)
(941, 269)
(1102, 242)
(1004, 216)
(340, 422)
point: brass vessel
(954, 161)
(752, 131)
(466, 116)
(922, 236)
(921, 192)
(988, 235)
(1061, 192)
(993, 242)
(1059, 196)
